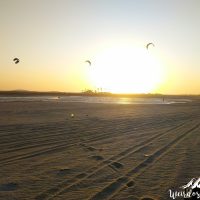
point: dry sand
(102, 152)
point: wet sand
(104, 151)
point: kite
(16, 60)
(88, 62)
(149, 44)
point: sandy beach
(103, 151)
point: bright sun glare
(126, 70)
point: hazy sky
(53, 38)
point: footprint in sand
(64, 171)
(91, 148)
(8, 187)
(97, 157)
(117, 165)
(130, 184)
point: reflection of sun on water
(126, 70)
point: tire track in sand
(114, 187)
(69, 184)
(61, 145)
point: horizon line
(92, 93)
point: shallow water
(107, 100)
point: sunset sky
(54, 38)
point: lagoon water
(88, 99)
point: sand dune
(105, 151)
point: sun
(126, 69)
